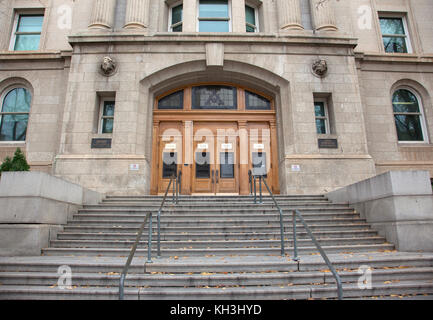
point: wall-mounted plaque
(328, 143)
(259, 146)
(203, 146)
(101, 143)
(226, 146)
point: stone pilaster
(323, 15)
(289, 15)
(102, 14)
(137, 14)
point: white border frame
(422, 115)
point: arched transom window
(214, 97)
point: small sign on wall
(226, 146)
(259, 146)
(203, 146)
(134, 167)
(296, 168)
(170, 146)
(328, 143)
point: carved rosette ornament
(320, 68)
(108, 66)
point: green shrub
(18, 163)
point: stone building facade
(339, 90)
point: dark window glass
(250, 17)
(255, 102)
(407, 115)
(176, 18)
(227, 168)
(108, 117)
(169, 164)
(214, 97)
(321, 118)
(172, 101)
(202, 165)
(14, 115)
(259, 164)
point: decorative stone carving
(320, 68)
(108, 66)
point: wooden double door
(214, 157)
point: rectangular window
(27, 32)
(227, 168)
(213, 16)
(394, 35)
(251, 19)
(202, 165)
(107, 116)
(322, 117)
(176, 13)
(169, 165)
(214, 97)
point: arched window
(409, 117)
(14, 115)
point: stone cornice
(33, 55)
(393, 58)
(295, 38)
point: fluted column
(289, 15)
(137, 14)
(103, 14)
(323, 15)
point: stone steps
(216, 248)
(233, 279)
(237, 293)
(166, 252)
(214, 236)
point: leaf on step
(326, 270)
(53, 286)
(113, 274)
(387, 282)
(207, 273)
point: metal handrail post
(255, 191)
(158, 225)
(149, 241)
(324, 256)
(295, 242)
(174, 188)
(250, 182)
(260, 188)
(281, 217)
(130, 257)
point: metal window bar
(297, 214)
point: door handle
(213, 173)
(216, 177)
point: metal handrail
(176, 184)
(262, 178)
(132, 253)
(296, 213)
(176, 180)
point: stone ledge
(399, 204)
